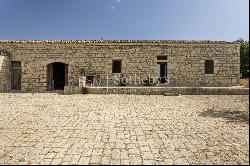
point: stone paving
(123, 129)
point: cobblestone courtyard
(123, 129)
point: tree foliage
(244, 57)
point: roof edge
(122, 41)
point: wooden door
(162, 71)
(50, 77)
(66, 74)
(158, 70)
(16, 75)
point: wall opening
(16, 73)
(161, 68)
(57, 75)
(162, 71)
(116, 66)
(209, 66)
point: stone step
(170, 94)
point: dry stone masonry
(4, 71)
(93, 58)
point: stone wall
(186, 60)
(4, 72)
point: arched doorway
(57, 75)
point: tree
(244, 57)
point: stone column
(82, 82)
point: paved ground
(123, 129)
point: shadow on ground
(231, 116)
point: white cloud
(112, 7)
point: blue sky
(124, 19)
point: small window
(162, 58)
(89, 79)
(117, 66)
(209, 66)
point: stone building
(42, 65)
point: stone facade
(185, 61)
(5, 61)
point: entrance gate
(57, 76)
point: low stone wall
(71, 90)
(170, 90)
